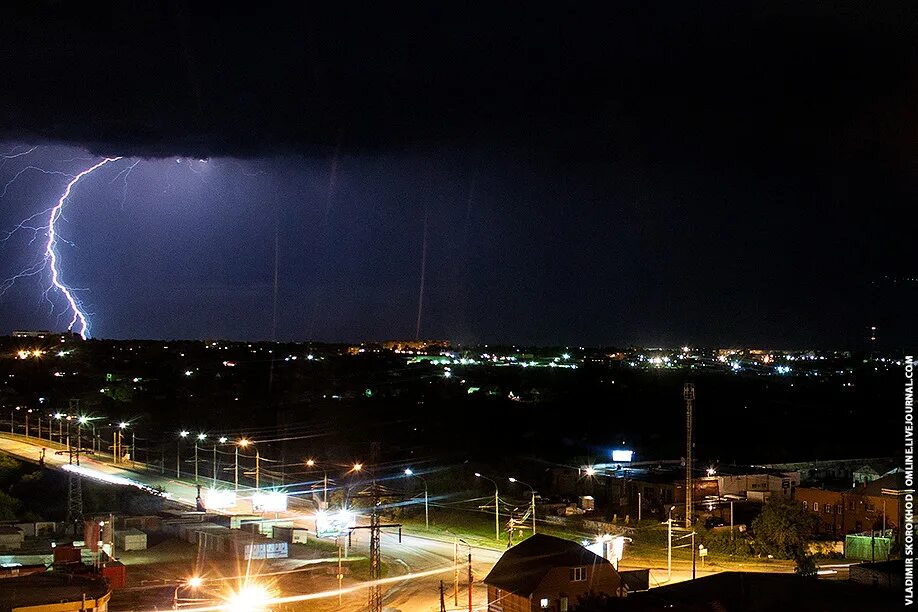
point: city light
(195, 581)
(409, 472)
(243, 442)
(218, 499)
(272, 501)
(310, 462)
(123, 425)
(183, 434)
(589, 471)
(222, 439)
(202, 436)
(334, 524)
(83, 419)
(622, 456)
(248, 598)
(357, 467)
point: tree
(783, 528)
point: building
(755, 484)
(548, 573)
(54, 592)
(758, 592)
(869, 506)
(11, 537)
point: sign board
(217, 499)
(702, 551)
(269, 502)
(622, 456)
(334, 524)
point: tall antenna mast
(688, 393)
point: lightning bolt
(51, 252)
(51, 259)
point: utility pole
(375, 593)
(442, 601)
(688, 394)
(74, 492)
(456, 573)
(694, 550)
(470, 582)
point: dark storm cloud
(744, 81)
(648, 172)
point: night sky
(656, 174)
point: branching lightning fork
(78, 321)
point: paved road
(414, 554)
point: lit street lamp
(192, 583)
(496, 506)
(409, 473)
(669, 546)
(244, 442)
(201, 438)
(221, 440)
(532, 491)
(178, 453)
(119, 442)
(312, 463)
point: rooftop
(521, 568)
(49, 587)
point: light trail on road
(332, 593)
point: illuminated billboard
(218, 499)
(269, 502)
(334, 524)
(622, 456)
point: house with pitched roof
(545, 573)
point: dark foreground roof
(49, 588)
(757, 592)
(522, 567)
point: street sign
(702, 551)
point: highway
(414, 554)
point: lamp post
(244, 443)
(221, 440)
(669, 545)
(120, 447)
(409, 473)
(201, 438)
(496, 506)
(178, 453)
(60, 427)
(532, 491)
(312, 463)
(81, 420)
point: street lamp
(496, 506)
(532, 491)
(178, 453)
(669, 546)
(409, 473)
(221, 440)
(312, 463)
(192, 583)
(244, 443)
(201, 438)
(119, 446)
